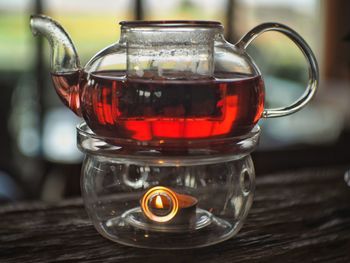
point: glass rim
(167, 152)
(171, 24)
(84, 130)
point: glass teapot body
(169, 80)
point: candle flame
(159, 202)
(157, 192)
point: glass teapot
(166, 80)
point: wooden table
(298, 216)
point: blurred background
(38, 154)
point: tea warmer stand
(167, 194)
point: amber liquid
(144, 109)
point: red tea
(145, 109)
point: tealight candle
(162, 205)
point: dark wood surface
(297, 216)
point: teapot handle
(305, 49)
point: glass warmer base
(174, 197)
(209, 230)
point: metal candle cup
(164, 206)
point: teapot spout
(64, 57)
(65, 65)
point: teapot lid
(171, 23)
